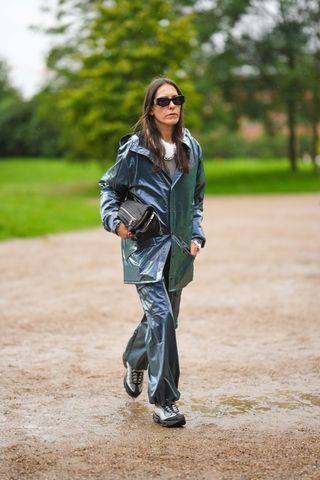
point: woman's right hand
(123, 232)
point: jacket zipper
(132, 217)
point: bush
(30, 128)
(230, 144)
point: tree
(214, 21)
(6, 89)
(115, 50)
(27, 128)
(10, 101)
(310, 10)
(273, 62)
(255, 54)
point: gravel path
(248, 341)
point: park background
(249, 69)
(249, 322)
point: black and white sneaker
(168, 415)
(133, 381)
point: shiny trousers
(153, 344)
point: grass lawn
(246, 176)
(47, 196)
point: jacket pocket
(128, 248)
(183, 246)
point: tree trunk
(315, 140)
(315, 131)
(291, 99)
(292, 146)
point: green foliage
(30, 128)
(27, 128)
(232, 59)
(121, 46)
(231, 144)
(7, 92)
(261, 65)
(10, 111)
(49, 196)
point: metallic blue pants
(153, 344)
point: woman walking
(160, 166)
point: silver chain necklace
(170, 150)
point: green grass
(49, 196)
(246, 176)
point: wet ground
(248, 341)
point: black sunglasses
(165, 101)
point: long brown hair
(152, 135)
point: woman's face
(170, 115)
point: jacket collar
(186, 139)
(137, 142)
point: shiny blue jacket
(178, 202)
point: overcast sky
(23, 49)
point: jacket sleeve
(114, 187)
(197, 231)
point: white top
(170, 151)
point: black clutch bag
(140, 219)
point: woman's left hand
(194, 249)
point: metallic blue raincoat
(178, 202)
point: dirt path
(248, 341)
